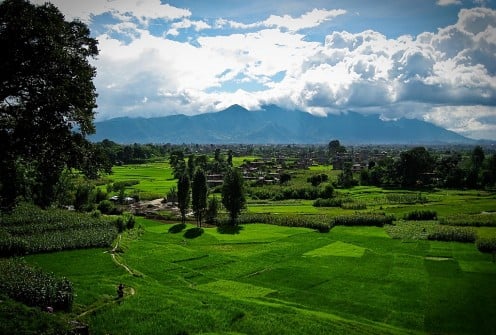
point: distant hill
(273, 125)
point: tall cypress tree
(233, 195)
(199, 192)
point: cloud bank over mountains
(159, 59)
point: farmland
(269, 279)
(266, 279)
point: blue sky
(434, 60)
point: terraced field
(280, 280)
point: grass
(156, 179)
(265, 279)
(270, 279)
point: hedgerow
(421, 215)
(33, 286)
(450, 233)
(285, 193)
(319, 222)
(378, 220)
(474, 220)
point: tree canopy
(199, 192)
(233, 195)
(47, 99)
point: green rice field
(280, 280)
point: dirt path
(128, 291)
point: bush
(353, 205)
(33, 286)
(486, 244)
(332, 202)
(130, 221)
(421, 215)
(476, 220)
(317, 179)
(126, 221)
(11, 245)
(120, 185)
(318, 222)
(456, 234)
(377, 220)
(106, 207)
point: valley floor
(279, 280)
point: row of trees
(196, 192)
(417, 167)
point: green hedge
(319, 222)
(421, 215)
(456, 234)
(377, 220)
(474, 220)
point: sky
(434, 60)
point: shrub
(421, 215)
(353, 205)
(456, 234)
(106, 207)
(317, 179)
(33, 286)
(11, 245)
(130, 221)
(475, 220)
(486, 244)
(120, 224)
(318, 222)
(120, 185)
(377, 220)
(332, 202)
(100, 195)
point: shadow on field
(193, 232)
(229, 229)
(177, 228)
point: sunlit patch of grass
(235, 289)
(337, 249)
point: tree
(284, 178)
(199, 192)
(183, 195)
(413, 164)
(47, 96)
(334, 147)
(345, 178)
(233, 196)
(230, 157)
(176, 160)
(191, 166)
(477, 158)
(212, 209)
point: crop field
(279, 280)
(268, 279)
(155, 179)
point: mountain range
(273, 125)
